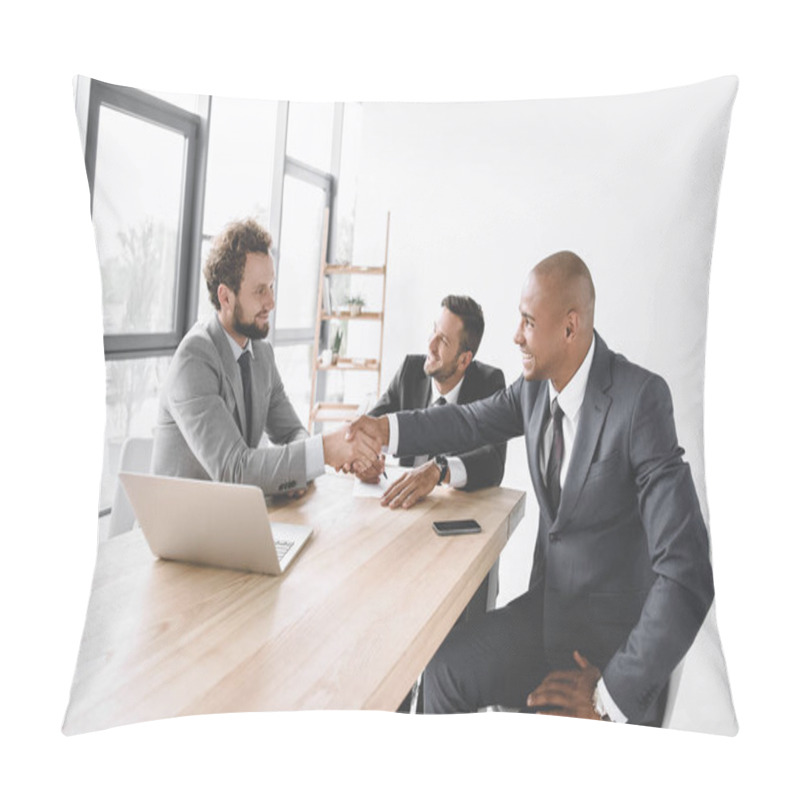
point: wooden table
(350, 625)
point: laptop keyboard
(283, 548)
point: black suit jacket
(622, 570)
(411, 389)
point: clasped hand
(568, 693)
(410, 487)
(351, 450)
(357, 446)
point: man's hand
(350, 451)
(373, 474)
(568, 693)
(375, 427)
(412, 486)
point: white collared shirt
(570, 400)
(236, 349)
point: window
(143, 163)
(240, 174)
(301, 246)
(164, 181)
(312, 142)
(312, 133)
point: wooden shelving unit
(324, 411)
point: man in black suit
(448, 373)
(621, 579)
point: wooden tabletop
(349, 625)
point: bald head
(569, 285)
(557, 318)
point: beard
(252, 330)
(443, 373)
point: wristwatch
(441, 462)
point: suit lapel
(593, 414)
(422, 392)
(467, 395)
(534, 437)
(229, 366)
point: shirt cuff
(610, 707)
(394, 434)
(315, 457)
(458, 472)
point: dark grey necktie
(440, 401)
(555, 460)
(247, 383)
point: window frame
(325, 182)
(194, 129)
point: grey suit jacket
(198, 432)
(411, 388)
(622, 570)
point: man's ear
(465, 359)
(225, 296)
(572, 326)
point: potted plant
(337, 346)
(354, 304)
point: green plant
(337, 341)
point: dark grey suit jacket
(622, 571)
(198, 431)
(411, 388)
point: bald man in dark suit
(621, 579)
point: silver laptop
(216, 524)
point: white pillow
(480, 192)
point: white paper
(361, 489)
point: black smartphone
(454, 527)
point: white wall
(480, 192)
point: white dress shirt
(570, 400)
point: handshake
(357, 447)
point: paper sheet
(361, 489)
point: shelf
(348, 269)
(334, 412)
(353, 365)
(366, 315)
(327, 311)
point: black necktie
(556, 459)
(244, 366)
(440, 401)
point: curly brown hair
(225, 262)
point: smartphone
(454, 527)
